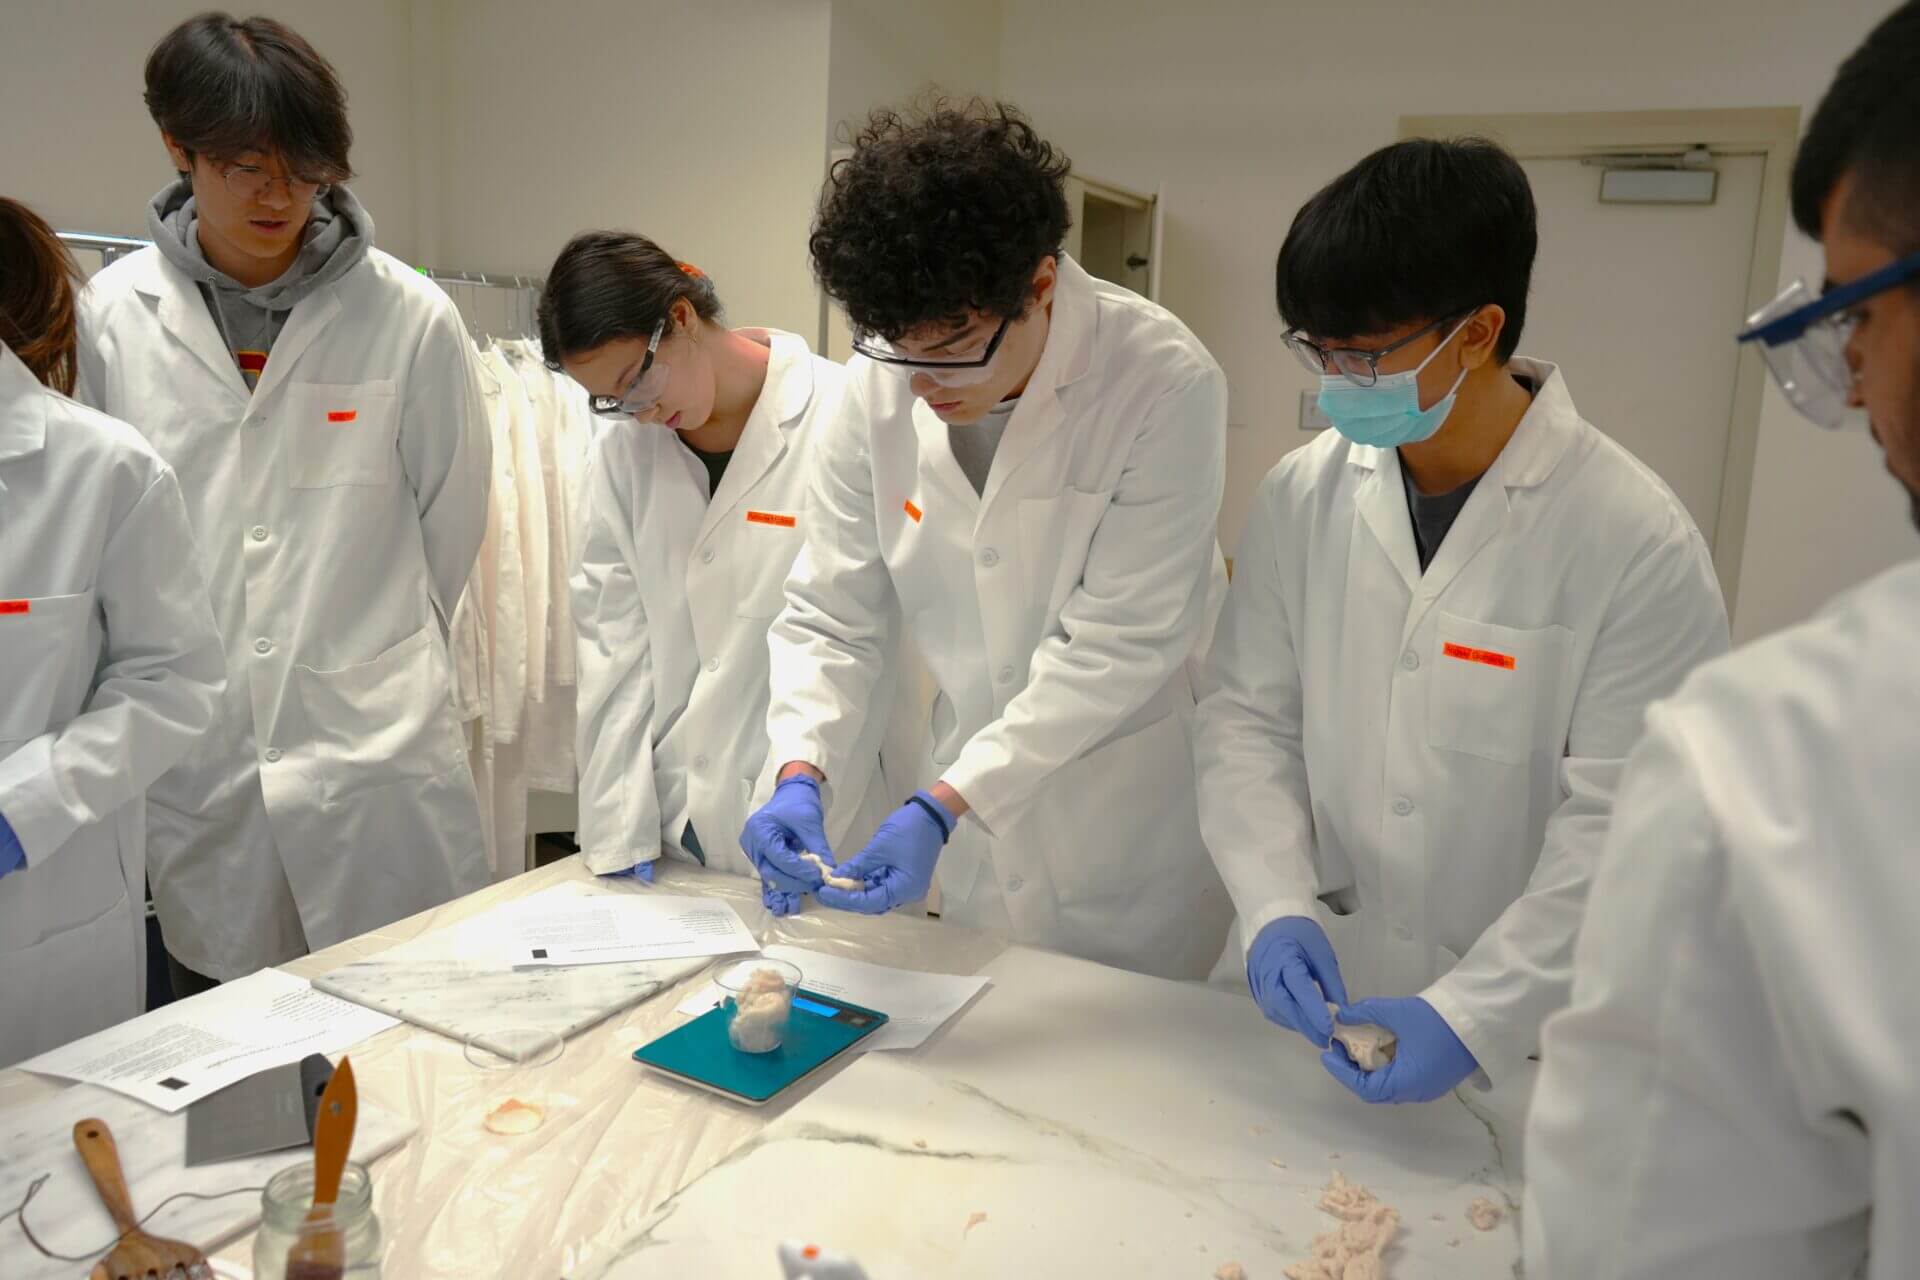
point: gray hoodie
(337, 236)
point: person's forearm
(953, 801)
(800, 769)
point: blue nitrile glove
(897, 864)
(779, 901)
(641, 871)
(1428, 1063)
(1294, 975)
(783, 828)
(12, 856)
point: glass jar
(283, 1221)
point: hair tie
(690, 270)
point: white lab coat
(672, 600)
(1057, 613)
(109, 671)
(337, 512)
(1732, 1092)
(1366, 760)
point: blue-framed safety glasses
(1803, 338)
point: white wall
(79, 147)
(1245, 107)
(700, 125)
(887, 51)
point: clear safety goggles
(962, 369)
(644, 392)
(1803, 337)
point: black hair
(1417, 232)
(940, 211)
(220, 85)
(1869, 125)
(608, 285)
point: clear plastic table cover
(617, 1140)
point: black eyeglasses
(643, 392)
(1360, 367)
(875, 348)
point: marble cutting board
(66, 1214)
(454, 981)
(1106, 1124)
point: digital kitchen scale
(819, 1030)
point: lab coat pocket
(762, 556)
(341, 434)
(1055, 534)
(382, 721)
(39, 639)
(1496, 690)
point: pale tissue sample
(514, 1117)
(846, 883)
(760, 1013)
(974, 1220)
(1230, 1271)
(1484, 1214)
(1371, 1047)
(1352, 1251)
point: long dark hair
(37, 291)
(609, 285)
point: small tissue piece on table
(1371, 1047)
(1230, 1271)
(845, 883)
(1484, 1214)
(1354, 1250)
(760, 1012)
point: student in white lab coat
(1732, 1091)
(319, 402)
(1031, 463)
(696, 509)
(109, 666)
(1447, 619)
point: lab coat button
(1015, 884)
(713, 664)
(989, 557)
(1410, 660)
(273, 755)
(699, 762)
(1006, 675)
(259, 533)
(1403, 933)
(706, 557)
(263, 645)
(1403, 806)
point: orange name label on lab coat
(15, 606)
(912, 511)
(1486, 657)
(773, 518)
(342, 415)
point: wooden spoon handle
(98, 1152)
(333, 1135)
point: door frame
(1769, 132)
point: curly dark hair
(944, 210)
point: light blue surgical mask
(1387, 414)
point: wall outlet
(1311, 419)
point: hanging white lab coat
(1732, 1089)
(1435, 754)
(1057, 614)
(337, 512)
(672, 600)
(109, 672)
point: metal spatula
(138, 1255)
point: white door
(1639, 305)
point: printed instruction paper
(550, 931)
(180, 1053)
(916, 1004)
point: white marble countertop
(1106, 1124)
(1078, 1107)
